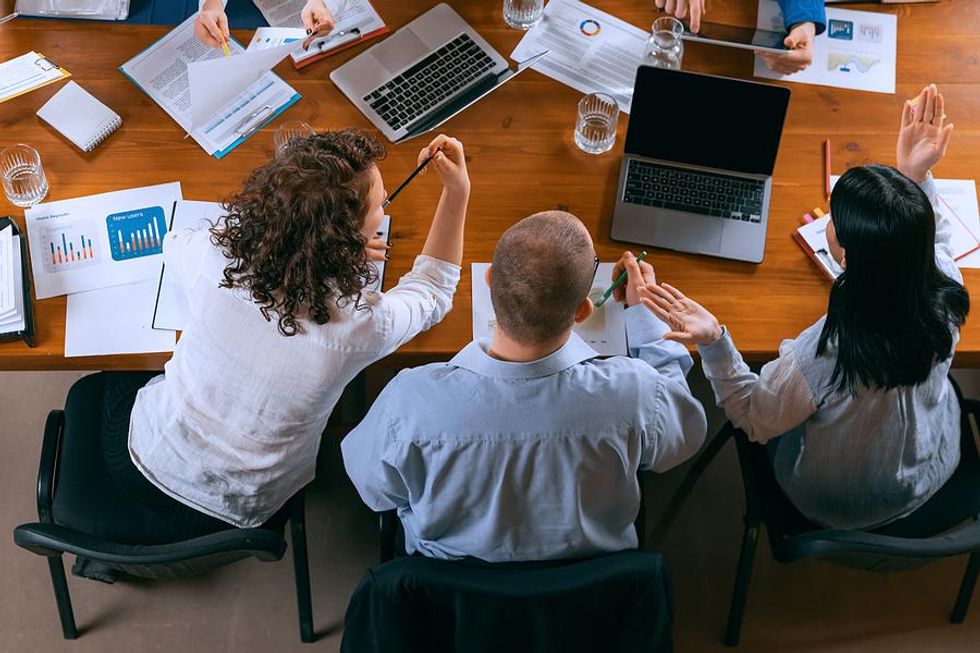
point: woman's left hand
(689, 321)
(377, 249)
(317, 20)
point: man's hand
(638, 274)
(922, 138)
(679, 8)
(799, 43)
(690, 323)
(211, 24)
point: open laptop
(697, 171)
(424, 74)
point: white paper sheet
(857, 51)
(605, 331)
(98, 241)
(114, 321)
(14, 318)
(215, 82)
(7, 285)
(161, 71)
(26, 73)
(589, 50)
(958, 203)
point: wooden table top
(521, 157)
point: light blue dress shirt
(527, 461)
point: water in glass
(523, 14)
(24, 182)
(665, 49)
(595, 129)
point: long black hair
(892, 312)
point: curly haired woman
(280, 322)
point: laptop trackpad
(398, 51)
(690, 233)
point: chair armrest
(48, 466)
(965, 539)
(52, 540)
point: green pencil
(619, 281)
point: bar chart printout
(137, 233)
(68, 246)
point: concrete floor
(250, 606)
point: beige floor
(249, 606)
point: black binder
(27, 335)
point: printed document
(162, 71)
(589, 50)
(8, 285)
(857, 51)
(605, 330)
(98, 241)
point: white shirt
(233, 427)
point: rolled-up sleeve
(645, 333)
(804, 11)
(763, 405)
(421, 300)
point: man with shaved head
(527, 446)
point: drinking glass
(595, 129)
(289, 131)
(523, 14)
(24, 182)
(664, 48)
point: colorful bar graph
(134, 234)
(69, 246)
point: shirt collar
(475, 358)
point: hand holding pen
(629, 273)
(318, 21)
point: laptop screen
(706, 121)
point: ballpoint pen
(616, 284)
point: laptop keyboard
(430, 81)
(720, 196)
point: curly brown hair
(293, 233)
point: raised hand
(690, 323)
(923, 136)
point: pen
(826, 167)
(406, 182)
(619, 281)
(224, 48)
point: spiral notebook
(79, 117)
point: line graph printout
(857, 51)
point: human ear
(584, 311)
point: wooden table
(521, 157)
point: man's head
(541, 276)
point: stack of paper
(12, 318)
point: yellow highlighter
(224, 48)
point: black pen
(406, 182)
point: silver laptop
(697, 169)
(423, 74)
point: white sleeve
(764, 405)
(944, 232)
(419, 301)
(200, 5)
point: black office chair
(61, 531)
(792, 537)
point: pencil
(826, 167)
(224, 48)
(620, 280)
(412, 176)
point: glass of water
(289, 131)
(595, 129)
(523, 14)
(665, 49)
(24, 182)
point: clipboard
(343, 45)
(27, 334)
(49, 71)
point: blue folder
(242, 14)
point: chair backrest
(616, 602)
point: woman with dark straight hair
(868, 424)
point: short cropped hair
(542, 270)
